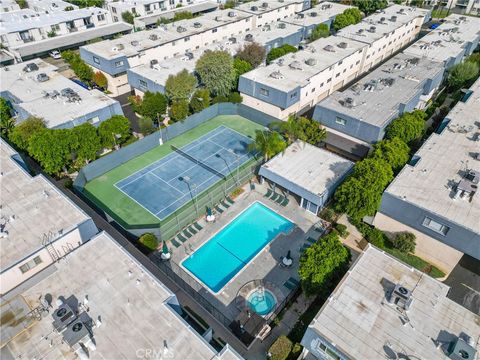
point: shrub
(281, 348)
(405, 242)
(235, 98)
(321, 31)
(296, 351)
(253, 53)
(375, 237)
(280, 51)
(342, 230)
(100, 79)
(179, 110)
(219, 99)
(149, 240)
(145, 125)
(200, 100)
(128, 17)
(328, 215)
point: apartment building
(435, 195)
(357, 116)
(36, 89)
(457, 6)
(99, 302)
(266, 12)
(8, 5)
(385, 309)
(38, 226)
(457, 37)
(295, 82)
(50, 5)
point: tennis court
(167, 184)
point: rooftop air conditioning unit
(62, 317)
(232, 40)
(181, 29)
(343, 45)
(311, 61)
(134, 43)
(153, 62)
(276, 75)
(189, 55)
(232, 14)
(265, 5)
(401, 296)
(329, 48)
(76, 332)
(197, 25)
(30, 67)
(153, 37)
(372, 29)
(349, 102)
(282, 25)
(249, 37)
(313, 14)
(295, 65)
(42, 77)
(382, 19)
(254, 8)
(393, 18)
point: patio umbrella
(165, 248)
(288, 255)
(209, 211)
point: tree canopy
(200, 100)
(100, 79)
(114, 131)
(180, 86)
(370, 6)
(321, 31)
(268, 143)
(240, 67)
(51, 148)
(253, 53)
(216, 72)
(128, 17)
(280, 51)
(85, 142)
(21, 134)
(7, 123)
(79, 67)
(408, 127)
(300, 128)
(394, 152)
(322, 263)
(153, 105)
(461, 74)
(348, 17)
(179, 110)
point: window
(114, 10)
(214, 30)
(337, 75)
(31, 264)
(143, 83)
(115, 19)
(328, 80)
(340, 121)
(435, 226)
(293, 95)
(101, 17)
(264, 92)
(118, 63)
(55, 27)
(96, 60)
(358, 62)
(187, 39)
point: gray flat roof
(55, 111)
(134, 43)
(306, 166)
(431, 183)
(377, 96)
(318, 14)
(129, 301)
(360, 321)
(67, 40)
(383, 23)
(31, 208)
(448, 40)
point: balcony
(72, 29)
(89, 26)
(28, 39)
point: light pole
(237, 158)
(191, 184)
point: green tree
(370, 6)
(219, 99)
(281, 348)
(240, 67)
(145, 125)
(7, 123)
(100, 79)
(200, 100)
(128, 17)
(322, 263)
(355, 14)
(289, 129)
(280, 51)
(461, 74)
(79, 67)
(394, 152)
(321, 31)
(87, 3)
(180, 86)
(153, 105)
(268, 143)
(475, 58)
(179, 110)
(253, 53)
(22, 4)
(229, 4)
(114, 131)
(85, 143)
(51, 148)
(405, 242)
(215, 69)
(21, 134)
(360, 194)
(235, 97)
(149, 240)
(182, 15)
(408, 127)
(311, 131)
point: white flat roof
(31, 93)
(258, 7)
(448, 40)
(360, 321)
(292, 77)
(132, 305)
(430, 184)
(309, 167)
(31, 208)
(132, 44)
(25, 19)
(50, 5)
(318, 14)
(377, 96)
(383, 23)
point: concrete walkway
(354, 240)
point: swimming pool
(223, 256)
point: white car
(55, 54)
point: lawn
(127, 212)
(439, 14)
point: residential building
(39, 225)
(49, 6)
(457, 37)
(115, 57)
(266, 12)
(293, 85)
(385, 309)
(37, 89)
(28, 33)
(456, 6)
(9, 5)
(100, 302)
(364, 110)
(309, 173)
(435, 196)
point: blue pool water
(226, 253)
(262, 302)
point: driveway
(128, 111)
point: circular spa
(262, 301)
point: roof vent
(343, 45)
(401, 11)
(153, 62)
(300, 16)
(382, 19)
(295, 65)
(401, 297)
(360, 31)
(232, 14)
(311, 61)
(134, 43)
(277, 75)
(42, 77)
(329, 48)
(232, 40)
(462, 349)
(254, 8)
(118, 47)
(181, 29)
(153, 37)
(265, 5)
(372, 29)
(313, 14)
(249, 37)
(282, 25)
(197, 25)
(393, 18)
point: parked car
(55, 54)
(434, 26)
(42, 77)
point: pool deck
(266, 265)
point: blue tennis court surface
(167, 184)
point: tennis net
(198, 162)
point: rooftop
(132, 44)
(44, 99)
(448, 40)
(25, 19)
(31, 208)
(318, 14)
(362, 323)
(292, 70)
(261, 6)
(432, 183)
(312, 168)
(124, 309)
(50, 5)
(376, 98)
(375, 26)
